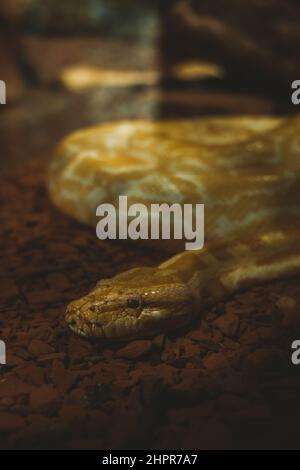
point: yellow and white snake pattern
(246, 170)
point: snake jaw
(76, 318)
(117, 309)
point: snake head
(137, 303)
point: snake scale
(246, 170)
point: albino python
(246, 170)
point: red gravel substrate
(225, 382)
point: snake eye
(133, 303)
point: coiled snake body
(246, 170)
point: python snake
(246, 170)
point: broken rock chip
(12, 387)
(31, 374)
(62, 379)
(39, 348)
(228, 324)
(215, 361)
(10, 422)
